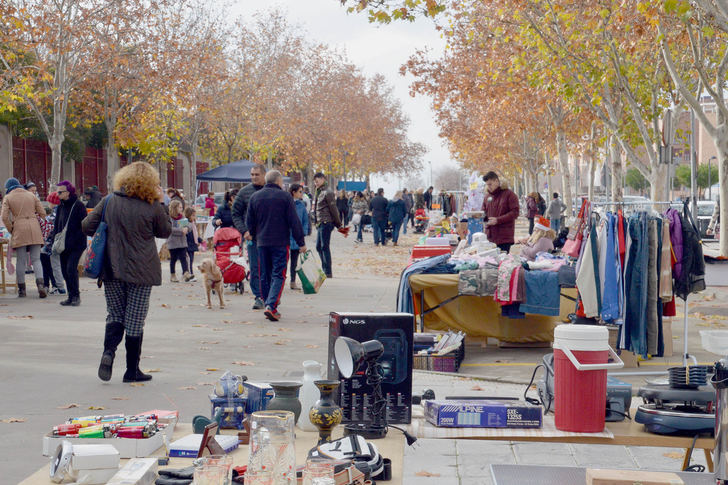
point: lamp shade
(349, 354)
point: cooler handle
(579, 366)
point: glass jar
(272, 446)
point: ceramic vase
(309, 393)
(285, 397)
(325, 414)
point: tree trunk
(658, 181)
(112, 156)
(721, 144)
(56, 157)
(617, 170)
(592, 172)
(565, 172)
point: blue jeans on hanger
(635, 319)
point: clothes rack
(686, 356)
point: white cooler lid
(581, 337)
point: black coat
(378, 206)
(130, 246)
(94, 197)
(272, 219)
(225, 214)
(240, 207)
(75, 238)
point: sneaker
(53, 291)
(192, 279)
(272, 314)
(173, 278)
(259, 304)
(358, 241)
(61, 291)
(293, 285)
(187, 276)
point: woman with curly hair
(135, 216)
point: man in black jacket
(326, 218)
(240, 208)
(378, 206)
(271, 221)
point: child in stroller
(421, 220)
(229, 257)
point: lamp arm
(374, 379)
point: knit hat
(53, 198)
(29, 184)
(542, 223)
(10, 184)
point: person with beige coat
(20, 213)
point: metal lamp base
(367, 431)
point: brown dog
(212, 279)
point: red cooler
(581, 361)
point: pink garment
(210, 204)
(530, 251)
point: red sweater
(501, 205)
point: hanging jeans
(323, 243)
(635, 319)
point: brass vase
(325, 414)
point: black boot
(112, 339)
(133, 354)
(42, 292)
(71, 301)
(21, 290)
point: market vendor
(501, 211)
(542, 240)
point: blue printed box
(483, 414)
(259, 393)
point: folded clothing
(542, 293)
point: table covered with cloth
(478, 316)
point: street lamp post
(710, 183)
(430, 173)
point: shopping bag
(572, 246)
(97, 249)
(310, 273)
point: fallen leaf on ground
(204, 348)
(243, 362)
(200, 325)
(68, 406)
(426, 474)
(209, 342)
(677, 455)
(137, 384)
(281, 342)
(205, 383)
(12, 420)
(312, 346)
(120, 398)
(22, 317)
(218, 329)
(187, 388)
(152, 370)
(709, 297)
(96, 408)
(476, 388)
(212, 369)
(164, 305)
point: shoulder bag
(59, 240)
(97, 249)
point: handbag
(310, 273)
(59, 240)
(97, 249)
(574, 229)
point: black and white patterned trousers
(127, 304)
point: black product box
(395, 331)
(483, 414)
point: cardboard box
(259, 393)
(596, 476)
(94, 457)
(127, 448)
(483, 414)
(395, 331)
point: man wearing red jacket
(501, 211)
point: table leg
(686, 460)
(422, 311)
(709, 459)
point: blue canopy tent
(230, 172)
(351, 185)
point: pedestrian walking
(359, 206)
(409, 206)
(397, 212)
(342, 204)
(135, 216)
(20, 212)
(326, 218)
(177, 242)
(555, 212)
(428, 198)
(193, 240)
(224, 215)
(531, 210)
(94, 196)
(174, 194)
(69, 215)
(378, 206)
(210, 204)
(239, 214)
(296, 191)
(501, 211)
(271, 221)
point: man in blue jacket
(271, 220)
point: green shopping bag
(310, 273)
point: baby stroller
(420, 224)
(388, 231)
(229, 257)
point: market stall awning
(230, 172)
(351, 185)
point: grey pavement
(49, 356)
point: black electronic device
(671, 410)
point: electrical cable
(626, 415)
(531, 400)
(693, 468)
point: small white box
(95, 477)
(94, 457)
(127, 447)
(137, 471)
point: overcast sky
(375, 49)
